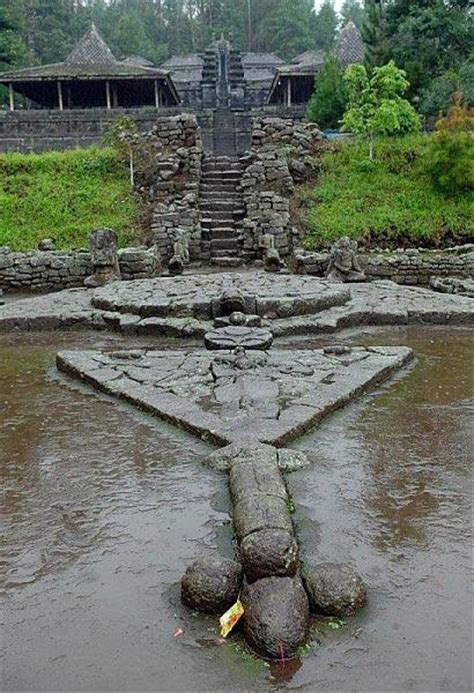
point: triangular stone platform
(271, 397)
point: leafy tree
(329, 99)
(375, 104)
(325, 26)
(451, 153)
(352, 11)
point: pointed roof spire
(349, 45)
(91, 49)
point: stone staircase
(222, 208)
(224, 133)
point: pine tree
(325, 26)
(352, 11)
(329, 100)
(372, 31)
(290, 26)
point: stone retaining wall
(55, 270)
(414, 267)
(179, 167)
(283, 154)
(38, 131)
(45, 271)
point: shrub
(436, 98)
(329, 99)
(450, 158)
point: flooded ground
(104, 508)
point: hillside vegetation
(64, 196)
(387, 202)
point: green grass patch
(63, 196)
(387, 202)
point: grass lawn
(388, 202)
(63, 196)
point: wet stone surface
(276, 620)
(211, 584)
(231, 337)
(186, 306)
(271, 397)
(334, 589)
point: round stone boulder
(269, 552)
(276, 617)
(334, 589)
(233, 336)
(211, 584)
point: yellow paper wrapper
(231, 618)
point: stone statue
(46, 245)
(230, 301)
(180, 252)
(105, 266)
(343, 264)
(271, 259)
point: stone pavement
(186, 306)
(269, 397)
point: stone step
(220, 195)
(222, 175)
(218, 224)
(208, 167)
(230, 211)
(220, 186)
(231, 205)
(221, 204)
(221, 234)
(218, 244)
(226, 261)
(224, 252)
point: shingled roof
(91, 58)
(309, 58)
(91, 49)
(349, 45)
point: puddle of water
(104, 508)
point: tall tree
(329, 99)
(290, 27)
(352, 11)
(325, 26)
(373, 33)
(13, 49)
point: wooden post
(107, 94)
(157, 95)
(288, 92)
(60, 97)
(12, 100)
